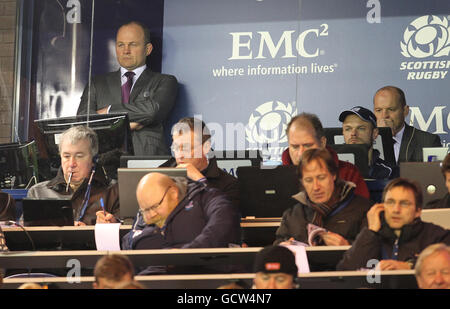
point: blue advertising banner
(246, 67)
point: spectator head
(359, 126)
(304, 131)
(112, 270)
(275, 268)
(191, 142)
(77, 148)
(389, 106)
(157, 195)
(433, 267)
(318, 173)
(402, 200)
(133, 45)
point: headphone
(409, 142)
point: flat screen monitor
(143, 161)
(18, 165)
(355, 154)
(113, 131)
(230, 160)
(267, 192)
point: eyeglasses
(154, 207)
(403, 203)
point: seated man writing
(177, 214)
(326, 201)
(80, 178)
(395, 235)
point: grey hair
(430, 250)
(78, 133)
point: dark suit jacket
(152, 98)
(413, 141)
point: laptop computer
(439, 216)
(355, 154)
(431, 154)
(47, 212)
(429, 175)
(266, 192)
(129, 178)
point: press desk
(322, 280)
(143, 258)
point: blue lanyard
(87, 196)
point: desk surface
(143, 258)
(255, 233)
(323, 280)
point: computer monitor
(431, 154)
(230, 160)
(18, 165)
(143, 161)
(267, 192)
(355, 154)
(113, 132)
(383, 143)
(428, 175)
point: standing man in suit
(146, 96)
(389, 106)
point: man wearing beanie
(275, 268)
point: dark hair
(400, 94)
(113, 267)
(318, 154)
(193, 124)
(143, 27)
(311, 119)
(446, 165)
(406, 184)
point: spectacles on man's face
(154, 207)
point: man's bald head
(157, 195)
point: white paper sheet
(301, 259)
(107, 236)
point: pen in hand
(103, 206)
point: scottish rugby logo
(267, 125)
(426, 36)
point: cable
(90, 64)
(26, 232)
(409, 142)
(35, 182)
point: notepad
(107, 237)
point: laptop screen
(429, 175)
(47, 212)
(267, 192)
